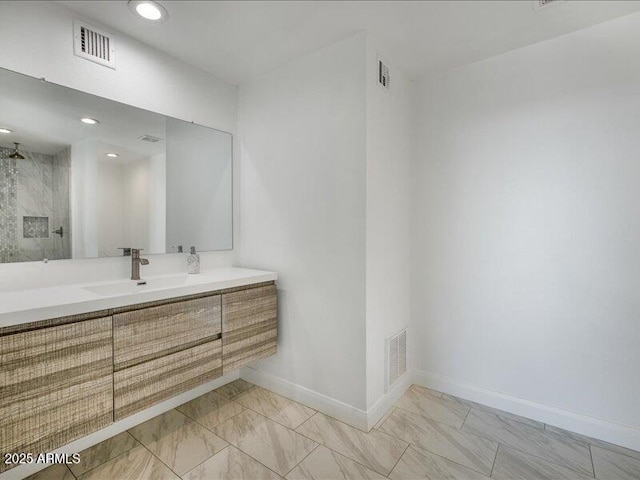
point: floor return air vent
(396, 358)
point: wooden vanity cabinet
(164, 350)
(56, 385)
(144, 385)
(64, 378)
(249, 326)
(151, 332)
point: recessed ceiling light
(149, 10)
(5, 130)
(89, 121)
(112, 155)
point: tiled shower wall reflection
(34, 192)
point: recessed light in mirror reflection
(89, 121)
(112, 155)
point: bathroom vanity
(124, 350)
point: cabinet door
(146, 384)
(249, 326)
(56, 385)
(153, 332)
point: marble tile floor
(244, 432)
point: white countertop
(32, 305)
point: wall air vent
(396, 358)
(93, 44)
(383, 74)
(150, 139)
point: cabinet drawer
(146, 384)
(149, 333)
(56, 385)
(249, 326)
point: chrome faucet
(136, 261)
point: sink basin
(130, 287)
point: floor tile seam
(257, 460)
(277, 421)
(347, 456)
(124, 453)
(439, 394)
(560, 438)
(267, 418)
(300, 426)
(199, 424)
(379, 424)
(495, 458)
(244, 409)
(464, 432)
(160, 460)
(419, 448)
(237, 394)
(409, 444)
(424, 415)
(205, 460)
(567, 438)
(72, 474)
(497, 412)
(264, 417)
(303, 459)
(465, 418)
(592, 444)
(337, 420)
(362, 464)
(229, 444)
(505, 445)
(117, 456)
(277, 395)
(593, 465)
(109, 459)
(399, 458)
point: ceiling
(237, 40)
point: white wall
(303, 204)
(84, 207)
(526, 269)
(157, 220)
(388, 240)
(111, 208)
(144, 78)
(137, 198)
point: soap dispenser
(193, 261)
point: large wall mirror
(82, 177)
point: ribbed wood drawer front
(149, 383)
(56, 385)
(142, 335)
(249, 326)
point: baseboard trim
(615, 433)
(120, 426)
(329, 406)
(385, 402)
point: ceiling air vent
(149, 138)
(93, 44)
(396, 358)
